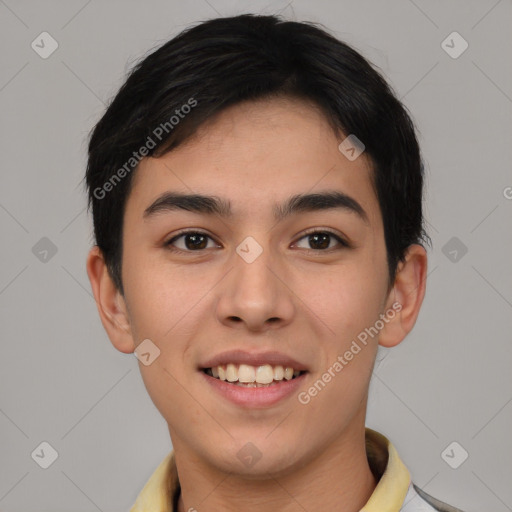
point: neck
(338, 478)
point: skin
(196, 304)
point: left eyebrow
(212, 205)
(317, 202)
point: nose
(255, 295)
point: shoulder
(418, 500)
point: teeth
(278, 373)
(246, 373)
(253, 376)
(231, 373)
(265, 374)
(247, 385)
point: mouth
(254, 380)
(248, 376)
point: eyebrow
(213, 205)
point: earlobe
(110, 303)
(406, 296)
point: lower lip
(255, 397)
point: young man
(256, 191)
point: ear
(406, 297)
(110, 302)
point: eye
(192, 241)
(321, 240)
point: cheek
(160, 295)
(166, 307)
(347, 299)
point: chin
(256, 460)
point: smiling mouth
(248, 376)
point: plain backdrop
(62, 382)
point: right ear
(110, 302)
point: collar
(162, 489)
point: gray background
(62, 382)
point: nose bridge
(253, 275)
(253, 294)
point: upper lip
(253, 359)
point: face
(292, 290)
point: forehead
(256, 155)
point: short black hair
(224, 61)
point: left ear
(406, 296)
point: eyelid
(186, 231)
(341, 240)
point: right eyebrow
(197, 203)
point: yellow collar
(162, 488)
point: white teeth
(265, 374)
(231, 373)
(278, 372)
(288, 373)
(253, 376)
(246, 373)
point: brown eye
(321, 240)
(190, 241)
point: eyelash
(342, 242)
